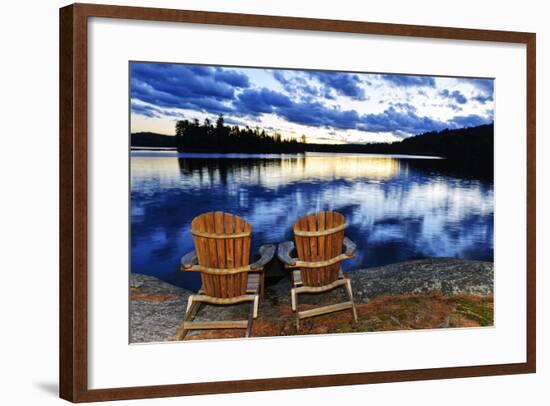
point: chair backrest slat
(246, 255)
(220, 250)
(320, 244)
(300, 249)
(230, 253)
(217, 248)
(312, 226)
(238, 255)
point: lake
(397, 208)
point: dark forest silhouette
(466, 144)
(152, 140)
(470, 144)
(193, 136)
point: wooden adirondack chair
(319, 245)
(222, 256)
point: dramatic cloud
(454, 107)
(295, 84)
(485, 88)
(408, 108)
(323, 105)
(260, 101)
(483, 98)
(327, 84)
(145, 110)
(485, 85)
(345, 84)
(471, 120)
(400, 118)
(454, 95)
(231, 77)
(187, 87)
(317, 115)
(151, 112)
(409, 81)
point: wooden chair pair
(222, 256)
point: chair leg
(195, 310)
(262, 285)
(251, 318)
(189, 303)
(296, 309)
(293, 299)
(350, 294)
(190, 313)
(256, 304)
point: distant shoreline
(473, 146)
(134, 148)
(192, 154)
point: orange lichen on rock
(137, 294)
(383, 313)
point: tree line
(463, 143)
(219, 137)
(470, 145)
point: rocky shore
(428, 293)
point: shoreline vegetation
(472, 144)
(421, 294)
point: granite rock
(157, 308)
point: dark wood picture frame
(73, 201)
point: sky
(325, 106)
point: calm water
(397, 208)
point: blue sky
(326, 107)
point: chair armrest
(350, 247)
(285, 248)
(283, 252)
(189, 260)
(267, 251)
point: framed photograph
(255, 202)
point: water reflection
(397, 208)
